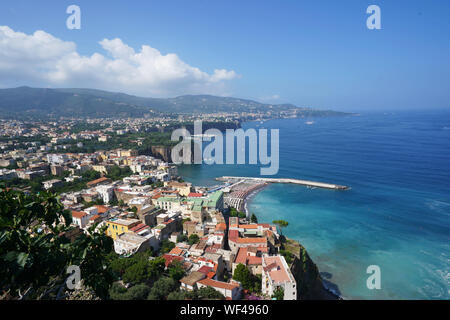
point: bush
(193, 239)
(182, 238)
(162, 288)
(137, 292)
(247, 279)
(177, 295)
(176, 270)
(166, 246)
(278, 293)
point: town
(116, 177)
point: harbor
(307, 183)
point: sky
(311, 53)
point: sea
(395, 216)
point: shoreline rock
(310, 285)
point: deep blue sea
(396, 215)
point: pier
(312, 184)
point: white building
(229, 290)
(129, 243)
(80, 218)
(276, 273)
(106, 192)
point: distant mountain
(41, 102)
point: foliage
(118, 173)
(205, 293)
(253, 218)
(182, 237)
(236, 213)
(278, 293)
(246, 278)
(176, 270)
(177, 295)
(193, 239)
(141, 269)
(166, 246)
(137, 292)
(288, 256)
(162, 288)
(34, 256)
(281, 223)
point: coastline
(326, 292)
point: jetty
(311, 184)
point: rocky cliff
(309, 282)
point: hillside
(42, 102)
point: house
(80, 218)
(97, 182)
(189, 282)
(229, 290)
(276, 273)
(118, 226)
(251, 258)
(130, 243)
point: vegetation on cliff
(305, 271)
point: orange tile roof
(252, 260)
(101, 208)
(251, 240)
(248, 226)
(78, 214)
(218, 284)
(96, 181)
(276, 270)
(221, 226)
(176, 251)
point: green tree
(177, 295)
(278, 293)
(176, 270)
(204, 293)
(166, 246)
(281, 224)
(247, 279)
(140, 269)
(117, 292)
(193, 239)
(287, 255)
(137, 292)
(182, 238)
(253, 218)
(241, 215)
(162, 288)
(243, 275)
(34, 256)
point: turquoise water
(396, 216)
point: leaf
(19, 258)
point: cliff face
(162, 152)
(306, 273)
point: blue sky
(310, 53)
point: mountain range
(26, 102)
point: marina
(311, 184)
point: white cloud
(40, 59)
